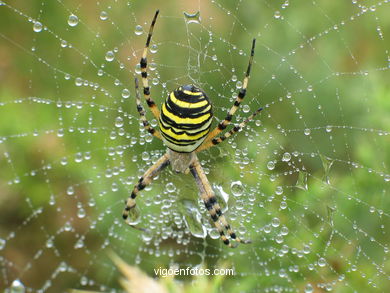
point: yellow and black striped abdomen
(185, 118)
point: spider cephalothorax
(184, 123)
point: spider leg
(211, 203)
(241, 94)
(228, 134)
(142, 113)
(145, 180)
(143, 63)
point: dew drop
(70, 190)
(308, 288)
(138, 30)
(170, 187)
(271, 165)
(17, 287)
(118, 121)
(109, 56)
(81, 213)
(153, 48)
(321, 262)
(237, 188)
(2, 243)
(73, 20)
(307, 131)
(37, 27)
(277, 14)
(286, 157)
(192, 17)
(103, 15)
(125, 93)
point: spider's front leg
(145, 180)
(211, 203)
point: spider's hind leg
(212, 205)
(145, 180)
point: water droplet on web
(326, 164)
(138, 30)
(277, 14)
(73, 20)
(275, 222)
(147, 235)
(214, 58)
(321, 262)
(222, 197)
(308, 288)
(239, 84)
(237, 188)
(246, 108)
(307, 131)
(192, 17)
(193, 219)
(134, 216)
(271, 165)
(328, 128)
(103, 15)
(78, 81)
(17, 287)
(153, 48)
(170, 187)
(109, 56)
(70, 190)
(286, 157)
(125, 93)
(302, 180)
(118, 121)
(64, 43)
(138, 68)
(37, 27)
(279, 190)
(2, 243)
(81, 213)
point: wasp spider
(184, 123)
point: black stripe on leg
(133, 195)
(144, 74)
(214, 217)
(242, 93)
(143, 62)
(150, 103)
(210, 203)
(140, 186)
(221, 126)
(147, 91)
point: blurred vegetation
(45, 117)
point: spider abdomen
(185, 118)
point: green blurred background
(72, 147)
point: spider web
(307, 182)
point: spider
(184, 123)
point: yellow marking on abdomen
(179, 120)
(187, 104)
